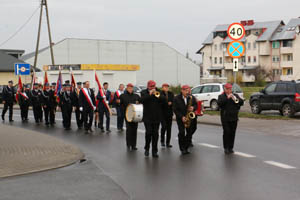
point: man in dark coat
(24, 102)
(66, 105)
(78, 113)
(8, 96)
(87, 106)
(127, 98)
(152, 115)
(36, 100)
(229, 104)
(167, 117)
(120, 110)
(184, 103)
(49, 102)
(102, 108)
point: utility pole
(43, 3)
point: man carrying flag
(87, 106)
(23, 100)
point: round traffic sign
(236, 49)
(236, 31)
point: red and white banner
(118, 93)
(20, 88)
(88, 98)
(102, 93)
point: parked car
(138, 89)
(283, 96)
(209, 93)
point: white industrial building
(156, 60)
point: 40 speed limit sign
(236, 31)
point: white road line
(244, 155)
(209, 145)
(281, 165)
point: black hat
(53, 84)
(10, 82)
(67, 85)
(67, 82)
(79, 83)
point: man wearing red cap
(129, 97)
(229, 104)
(184, 103)
(152, 115)
(167, 117)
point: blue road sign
(236, 49)
(22, 69)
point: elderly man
(230, 104)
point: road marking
(244, 155)
(209, 145)
(281, 165)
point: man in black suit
(24, 102)
(229, 104)
(8, 96)
(87, 106)
(184, 103)
(102, 108)
(49, 102)
(119, 108)
(66, 105)
(36, 100)
(152, 115)
(78, 113)
(129, 97)
(167, 117)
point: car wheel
(255, 107)
(287, 110)
(214, 105)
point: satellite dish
(297, 30)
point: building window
(243, 59)
(249, 59)
(290, 71)
(249, 45)
(221, 60)
(276, 72)
(287, 43)
(254, 59)
(254, 45)
(216, 60)
(287, 71)
(275, 59)
(216, 47)
(290, 57)
(275, 45)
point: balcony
(286, 50)
(286, 77)
(286, 63)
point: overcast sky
(183, 24)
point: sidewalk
(23, 151)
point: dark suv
(282, 95)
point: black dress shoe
(68, 128)
(169, 146)
(146, 153)
(102, 130)
(226, 151)
(155, 155)
(134, 148)
(191, 145)
(163, 144)
(185, 152)
(108, 131)
(231, 151)
(11, 120)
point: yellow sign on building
(111, 67)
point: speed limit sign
(236, 31)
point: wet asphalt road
(264, 167)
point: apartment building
(271, 46)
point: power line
(27, 21)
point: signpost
(22, 69)
(236, 49)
